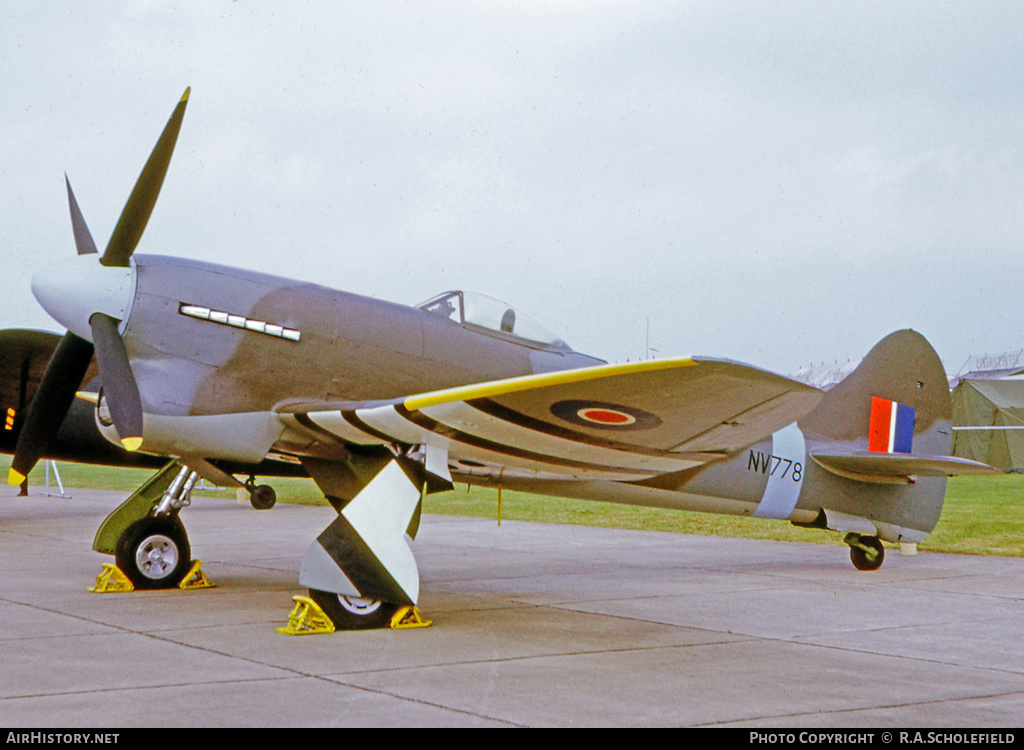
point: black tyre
(353, 613)
(867, 553)
(263, 497)
(154, 553)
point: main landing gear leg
(145, 535)
(360, 570)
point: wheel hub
(359, 606)
(157, 556)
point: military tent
(990, 403)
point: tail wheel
(154, 553)
(867, 552)
(263, 497)
(354, 613)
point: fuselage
(217, 350)
(209, 339)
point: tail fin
(881, 441)
(902, 368)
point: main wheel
(867, 553)
(154, 553)
(354, 613)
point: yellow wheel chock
(408, 617)
(195, 578)
(307, 619)
(111, 581)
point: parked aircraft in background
(381, 403)
(69, 429)
(65, 426)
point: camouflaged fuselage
(269, 341)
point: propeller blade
(119, 386)
(50, 404)
(140, 203)
(83, 238)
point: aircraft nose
(74, 289)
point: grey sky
(775, 182)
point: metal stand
(46, 491)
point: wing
(622, 422)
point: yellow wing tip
(15, 478)
(131, 443)
(184, 97)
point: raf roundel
(604, 415)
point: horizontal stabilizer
(889, 467)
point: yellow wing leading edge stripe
(530, 382)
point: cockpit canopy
(491, 315)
